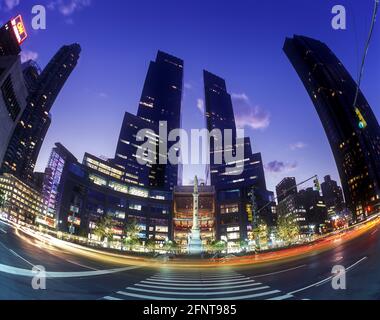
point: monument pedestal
(195, 242)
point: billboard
(19, 29)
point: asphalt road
(78, 277)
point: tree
(104, 228)
(218, 246)
(287, 228)
(2, 199)
(132, 234)
(150, 244)
(260, 234)
(171, 246)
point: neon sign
(19, 29)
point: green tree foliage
(132, 234)
(151, 245)
(104, 228)
(217, 246)
(287, 228)
(2, 199)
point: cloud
(298, 145)
(103, 95)
(280, 166)
(248, 115)
(188, 86)
(68, 7)
(10, 4)
(27, 55)
(201, 105)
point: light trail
(324, 244)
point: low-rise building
(23, 204)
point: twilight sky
(240, 41)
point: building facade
(78, 195)
(332, 196)
(353, 131)
(286, 187)
(23, 204)
(13, 95)
(245, 180)
(183, 214)
(160, 101)
(23, 149)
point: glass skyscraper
(25, 144)
(235, 214)
(160, 101)
(353, 131)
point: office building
(352, 130)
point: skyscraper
(332, 195)
(12, 34)
(353, 131)
(160, 101)
(220, 115)
(13, 95)
(25, 144)
(236, 215)
(285, 188)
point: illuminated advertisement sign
(19, 29)
(74, 220)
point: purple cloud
(298, 145)
(280, 166)
(248, 115)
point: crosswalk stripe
(284, 297)
(257, 295)
(198, 284)
(197, 281)
(141, 296)
(111, 298)
(210, 293)
(147, 297)
(197, 278)
(201, 288)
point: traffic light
(317, 185)
(362, 123)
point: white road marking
(284, 297)
(278, 272)
(198, 281)
(23, 259)
(2, 230)
(327, 279)
(111, 298)
(198, 284)
(194, 278)
(164, 298)
(29, 273)
(81, 265)
(196, 288)
(198, 293)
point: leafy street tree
(171, 246)
(260, 234)
(218, 246)
(104, 228)
(132, 234)
(2, 199)
(150, 244)
(287, 228)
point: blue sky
(239, 40)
